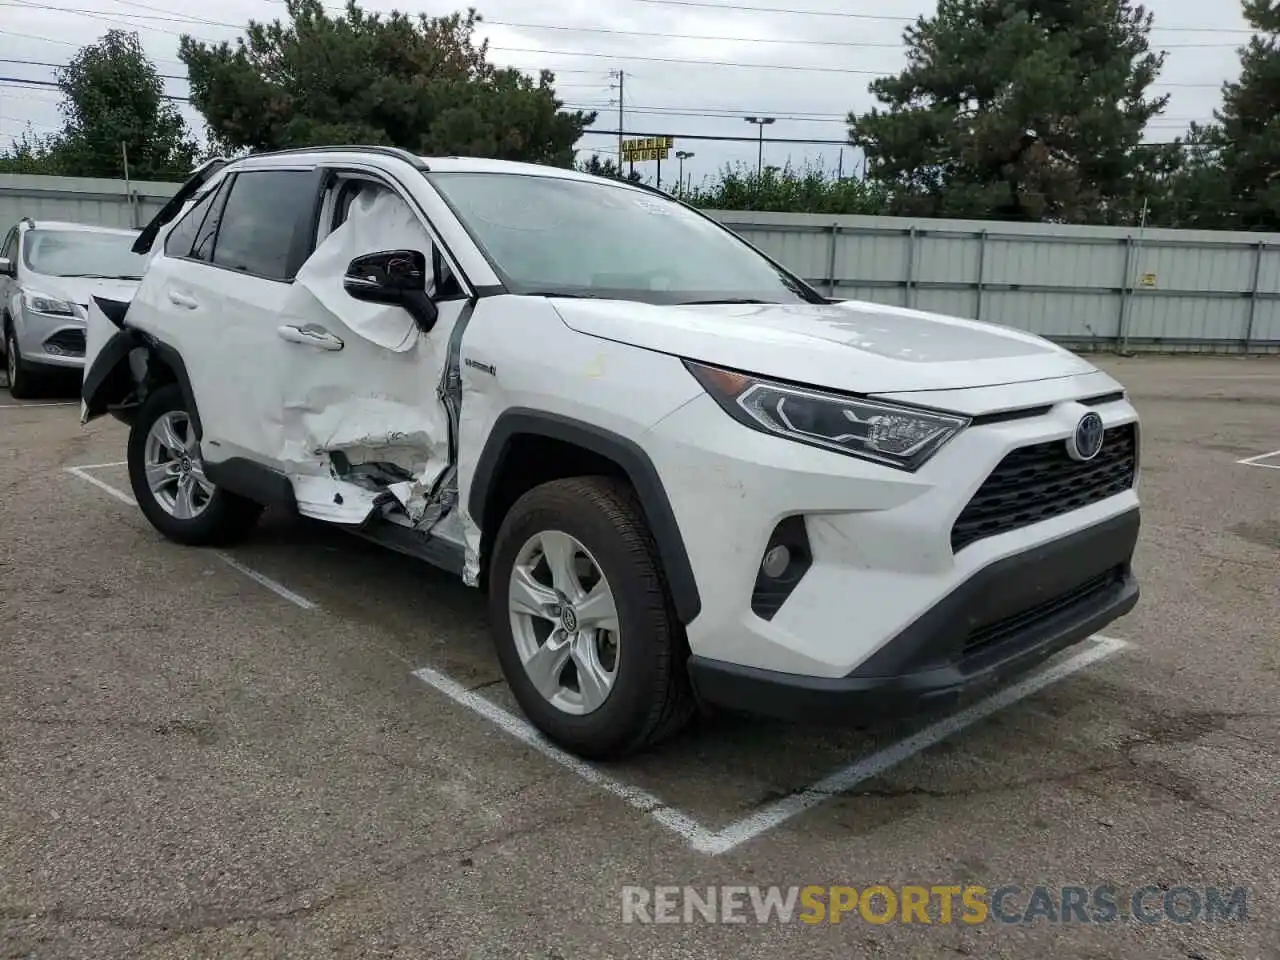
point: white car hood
(81, 289)
(851, 346)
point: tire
(212, 516)
(649, 698)
(22, 382)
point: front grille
(69, 341)
(1024, 623)
(1041, 481)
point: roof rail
(394, 152)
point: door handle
(183, 300)
(310, 335)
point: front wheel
(582, 621)
(22, 382)
(166, 472)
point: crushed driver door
(363, 424)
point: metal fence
(1098, 288)
(80, 200)
(1087, 287)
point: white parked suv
(681, 474)
(48, 273)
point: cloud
(754, 61)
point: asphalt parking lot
(302, 747)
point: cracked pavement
(192, 767)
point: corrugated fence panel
(1216, 269)
(1105, 287)
(961, 303)
(1069, 316)
(1269, 271)
(1182, 318)
(862, 257)
(79, 200)
(946, 258)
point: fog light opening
(776, 561)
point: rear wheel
(582, 621)
(167, 474)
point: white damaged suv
(681, 474)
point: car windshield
(82, 253)
(556, 236)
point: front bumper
(999, 623)
(47, 340)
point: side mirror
(393, 277)
(6, 267)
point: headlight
(38, 303)
(886, 433)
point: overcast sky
(805, 70)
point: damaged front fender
(123, 365)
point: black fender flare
(628, 455)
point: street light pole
(682, 156)
(760, 123)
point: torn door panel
(367, 414)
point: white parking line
(278, 589)
(102, 485)
(24, 406)
(699, 837)
(262, 579)
(1255, 461)
(716, 842)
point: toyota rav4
(682, 475)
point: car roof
(70, 226)
(428, 164)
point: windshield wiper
(101, 276)
(560, 293)
(694, 303)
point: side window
(202, 249)
(180, 239)
(261, 220)
(10, 249)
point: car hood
(851, 346)
(81, 289)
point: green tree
(1017, 109)
(787, 189)
(416, 82)
(1248, 130)
(113, 97)
(607, 167)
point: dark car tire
(223, 519)
(23, 383)
(651, 698)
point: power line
(737, 113)
(896, 44)
(742, 8)
(23, 82)
(614, 56)
(757, 66)
(733, 139)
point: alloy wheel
(564, 621)
(175, 472)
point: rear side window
(266, 223)
(182, 237)
(10, 249)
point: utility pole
(621, 104)
(761, 123)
